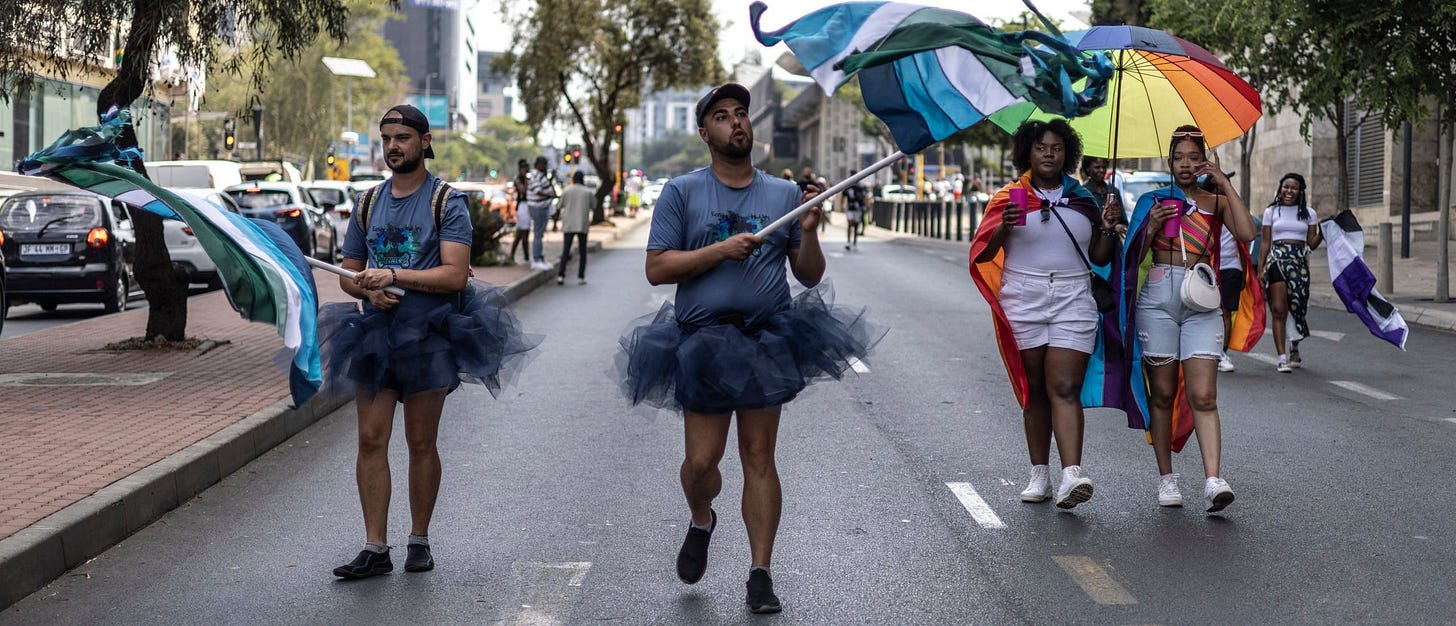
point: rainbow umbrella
(1160, 82)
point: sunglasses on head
(1197, 134)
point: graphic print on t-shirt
(392, 246)
(732, 223)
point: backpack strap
(366, 202)
(439, 196)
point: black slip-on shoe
(692, 559)
(761, 598)
(418, 559)
(365, 565)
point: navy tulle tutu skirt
(722, 367)
(428, 342)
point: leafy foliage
(585, 62)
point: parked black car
(68, 246)
(292, 208)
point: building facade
(436, 42)
(493, 94)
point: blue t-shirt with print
(697, 210)
(402, 230)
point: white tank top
(1043, 247)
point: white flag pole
(347, 274)
(831, 192)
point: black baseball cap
(730, 90)
(411, 117)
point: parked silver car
(187, 254)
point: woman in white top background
(1291, 230)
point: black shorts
(1230, 285)
(1273, 275)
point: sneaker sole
(1170, 503)
(1077, 495)
(1221, 501)
(1035, 498)
(766, 608)
(350, 575)
(419, 568)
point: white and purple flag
(1355, 283)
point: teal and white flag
(264, 273)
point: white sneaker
(1224, 364)
(1283, 365)
(1039, 486)
(1168, 494)
(581, 281)
(1217, 493)
(1076, 487)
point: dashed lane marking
(978, 508)
(1327, 334)
(858, 366)
(1094, 580)
(1261, 357)
(1364, 389)
(1449, 419)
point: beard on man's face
(406, 164)
(733, 149)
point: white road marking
(1261, 357)
(1364, 389)
(1094, 580)
(978, 508)
(1450, 419)
(1327, 334)
(543, 597)
(858, 366)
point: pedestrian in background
(412, 232)
(1174, 348)
(1031, 259)
(540, 191)
(734, 341)
(855, 206)
(576, 205)
(1094, 178)
(523, 215)
(1291, 228)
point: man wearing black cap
(731, 281)
(413, 232)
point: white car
(187, 254)
(897, 193)
(336, 197)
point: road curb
(38, 554)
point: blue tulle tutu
(722, 367)
(428, 342)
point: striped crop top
(1197, 235)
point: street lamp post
(349, 69)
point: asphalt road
(561, 505)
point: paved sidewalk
(98, 444)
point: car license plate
(45, 248)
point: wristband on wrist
(393, 277)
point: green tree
(199, 32)
(305, 105)
(1114, 12)
(498, 144)
(585, 62)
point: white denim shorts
(1055, 310)
(1167, 328)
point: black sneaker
(367, 564)
(761, 598)
(417, 558)
(692, 559)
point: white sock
(706, 527)
(419, 540)
(376, 547)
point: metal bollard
(1385, 259)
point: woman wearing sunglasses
(1174, 346)
(1030, 261)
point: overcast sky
(737, 36)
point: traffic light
(617, 129)
(330, 158)
(493, 172)
(566, 157)
(576, 155)
(229, 138)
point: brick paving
(63, 442)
